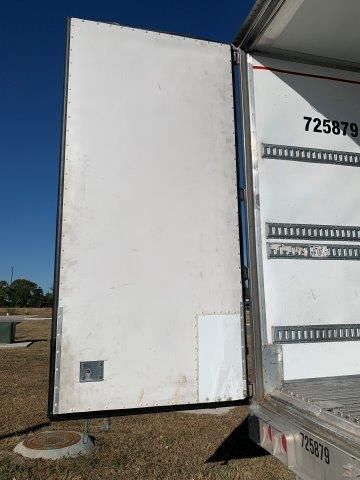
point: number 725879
(336, 127)
(315, 448)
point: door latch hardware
(92, 371)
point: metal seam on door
(58, 359)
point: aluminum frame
(56, 323)
(240, 196)
(258, 19)
(254, 285)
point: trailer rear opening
(301, 100)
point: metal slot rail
(312, 155)
(312, 232)
(313, 251)
(316, 333)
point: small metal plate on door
(92, 371)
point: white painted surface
(220, 358)
(319, 360)
(150, 235)
(307, 292)
(322, 28)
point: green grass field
(175, 446)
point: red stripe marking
(321, 77)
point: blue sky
(32, 42)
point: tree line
(24, 293)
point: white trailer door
(149, 304)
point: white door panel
(149, 230)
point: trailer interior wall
(300, 91)
(305, 291)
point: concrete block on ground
(210, 411)
(14, 345)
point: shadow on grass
(25, 431)
(237, 445)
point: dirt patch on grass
(174, 446)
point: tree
(4, 294)
(49, 299)
(24, 293)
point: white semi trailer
(150, 258)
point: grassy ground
(40, 312)
(143, 447)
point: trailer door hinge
(242, 194)
(236, 56)
(245, 273)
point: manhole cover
(51, 440)
(54, 445)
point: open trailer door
(148, 308)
